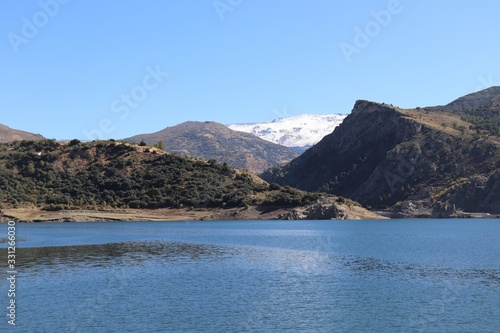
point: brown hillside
(211, 140)
(8, 134)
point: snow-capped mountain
(299, 132)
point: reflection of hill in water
(31, 260)
(126, 253)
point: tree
(160, 145)
(74, 142)
(461, 129)
(31, 168)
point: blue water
(256, 276)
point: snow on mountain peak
(301, 131)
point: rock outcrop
(328, 208)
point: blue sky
(88, 68)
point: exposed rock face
(211, 140)
(321, 162)
(344, 161)
(479, 193)
(383, 156)
(330, 209)
(8, 134)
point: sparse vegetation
(160, 145)
(484, 120)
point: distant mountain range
(211, 140)
(437, 161)
(8, 134)
(298, 132)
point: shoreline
(35, 215)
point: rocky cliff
(415, 162)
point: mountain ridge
(489, 97)
(8, 134)
(417, 162)
(211, 140)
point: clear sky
(83, 68)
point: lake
(255, 276)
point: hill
(418, 162)
(487, 99)
(8, 134)
(481, 109)
(211, 140)
(106, 175)
(298, 132)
